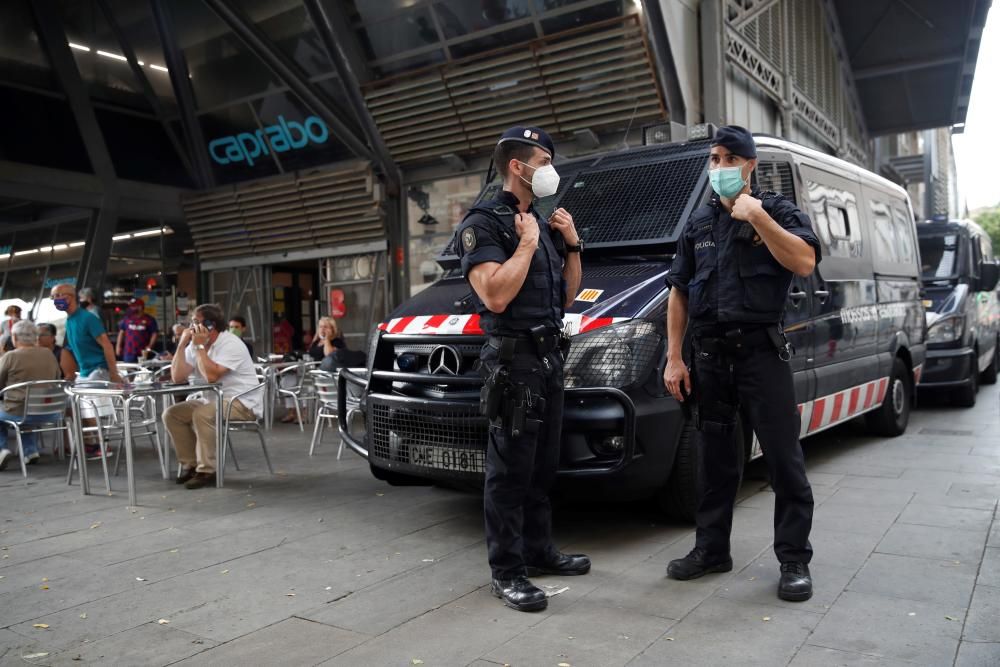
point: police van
(856, 326)
(960, 277)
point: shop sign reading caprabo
(281, 137)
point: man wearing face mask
(137, 333)
(729, 281)
(524, 271)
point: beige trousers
(191, 425)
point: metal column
(97, 252)
(334, 35)
(178, 71)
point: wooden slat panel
(294, 211)
(563, 83)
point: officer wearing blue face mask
(729, 282)
(524, 271)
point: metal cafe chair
(243, 425)
(45, 403)
(303, 392)
(326, 395)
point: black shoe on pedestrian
(200, 480)
(186, 474)
(559, 563)
(796, 584)
(698, 563)
(519, 593)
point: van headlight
(946, 330)
(615, 356)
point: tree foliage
(989, 220)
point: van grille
(414, 436)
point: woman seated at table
(326, 347)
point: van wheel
(965, 397)
(678, 499)
(989, 376)
(893, 415)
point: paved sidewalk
(321, 563)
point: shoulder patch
(469, 238)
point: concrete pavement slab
(982, 623)
(940, 582)
(820, 656)
(293, 641)
(890, 627)
(989, 570)
(775, 635)
(149, 644)
(933, 542)
(585, 634)
(976, 654)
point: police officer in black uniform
(730, 278)
(524, 271)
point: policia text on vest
(524, 271)
(730, 278)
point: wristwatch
(199, 346)
(575, 248)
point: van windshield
(939, 257)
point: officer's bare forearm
(791, 251)
(677, 318)
(572, 274)
(497, 284)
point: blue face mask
(727, 181)
(61, 304)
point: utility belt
(741, 341)
(508, 404)
(539, 340)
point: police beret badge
(469, 238)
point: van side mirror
(989, 275)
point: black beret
(737, 139)
(535, 136)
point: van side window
(903, 227)
(835, 220)
(886, 249)
(776, 177)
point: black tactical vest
(540, 300)
(734, 280)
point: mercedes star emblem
(445, 360)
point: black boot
(560, 563)
(519, 593)
(796, 584)
(697, 564)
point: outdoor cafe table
(128, 393)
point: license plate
(447, 458)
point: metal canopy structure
(912, 60)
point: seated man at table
(27, 362)
(47, 339)
(209, 353)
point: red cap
(137, 302)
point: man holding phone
(209, 353)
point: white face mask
(544, 182)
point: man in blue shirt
(86, 348)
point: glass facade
(434, 211)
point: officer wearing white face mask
(524, 271)
(730, 278)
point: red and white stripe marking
(917, 372)
(439, 325)
(823, 413)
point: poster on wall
(338, 308)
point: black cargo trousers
(520, 469)
(758, 383)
